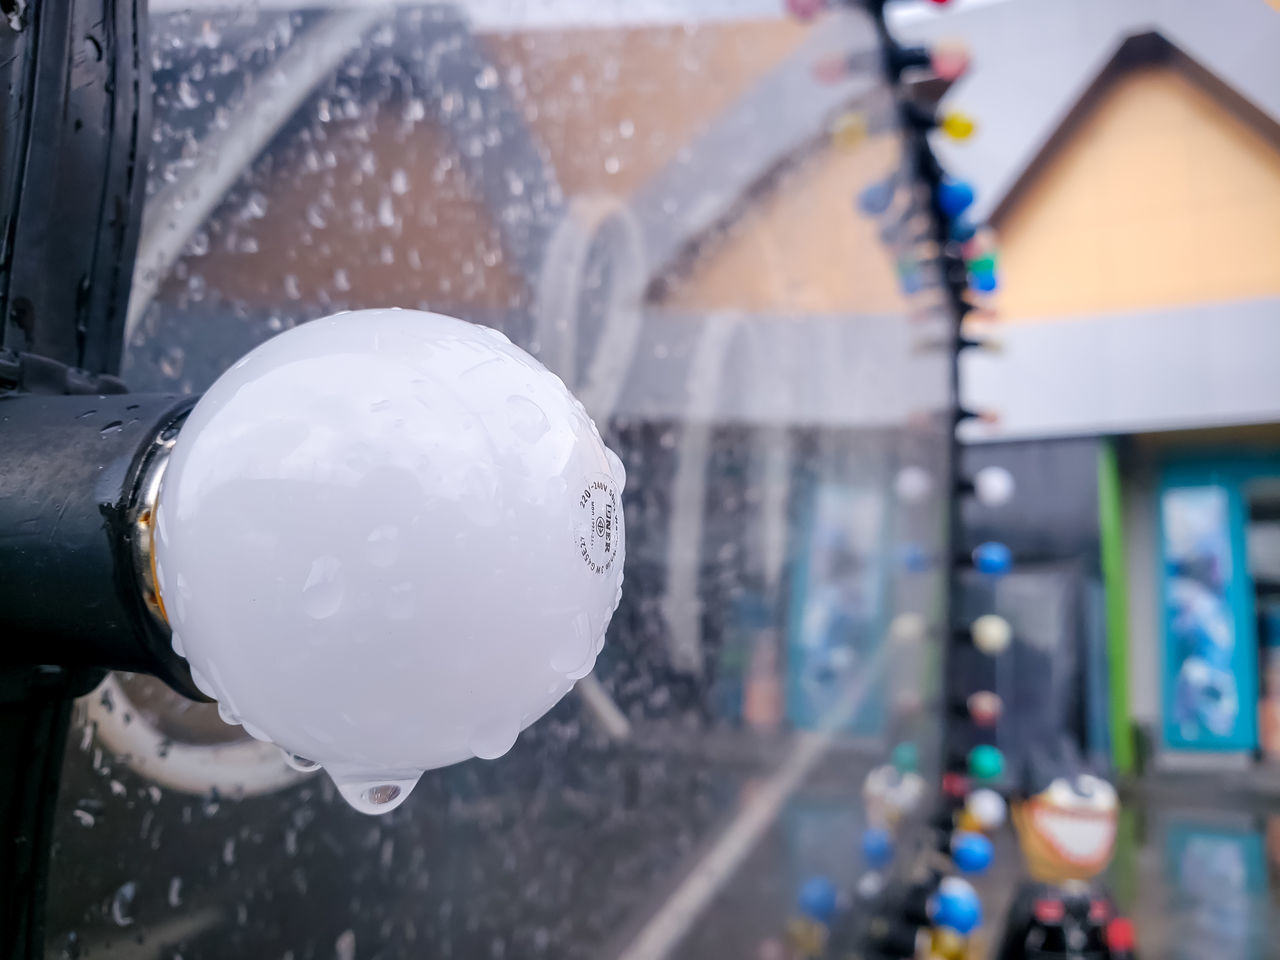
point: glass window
(654, 205)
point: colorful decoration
(955, 784)
(807, 938)
(983, 281)
(986, 763)
(991, 634)
(971, 852)
(1066, 821)
(982, 263)
(957, 126)
(954, 197)
(987, 810)
(947, 944)
(955, 906)
(962, 229)
(1065, 818)
(876, 198)
(877, 847)
(993, 486)
(985, 708)
(849, 130)
(949, 60)
(905, 757)
(993, 558)
(805, 9)
(869, 885)
(817, 899)
(889, 795)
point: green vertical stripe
(1116, 584)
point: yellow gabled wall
(1160, 197)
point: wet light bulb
(388, 541)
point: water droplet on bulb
(376, 796)
(202, 684)
(401, 604)
(494, 740)
(383, 545)
(574, 650)
(322, 593)
(528, 420)
(301, 764)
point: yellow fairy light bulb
(849, 130)
(958, 126)
(946, 944)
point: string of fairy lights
(920, 902)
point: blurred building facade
(1130, 163)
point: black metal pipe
(71, 470)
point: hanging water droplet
(323, 590)
(228, 715)
(376, 796)
(493, 740)
(202, 684)
(301, 764)
(583, 670)
(574, 649)
(528, 420)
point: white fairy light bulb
(987, 808)
(388, 541)
(991, 634)
(913, 484)
(993, 486)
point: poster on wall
(1207, 664)
(836, 611)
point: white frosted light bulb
(993, 486)
(913, 484)
(986, 807)
(388, 541)
(991, 634)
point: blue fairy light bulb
(984, 281)
(954, 196)
(817, 899)
(877, 847)
(955, 906)
(971, 852)
(993, 558)
(875, 198)
(962, 229)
